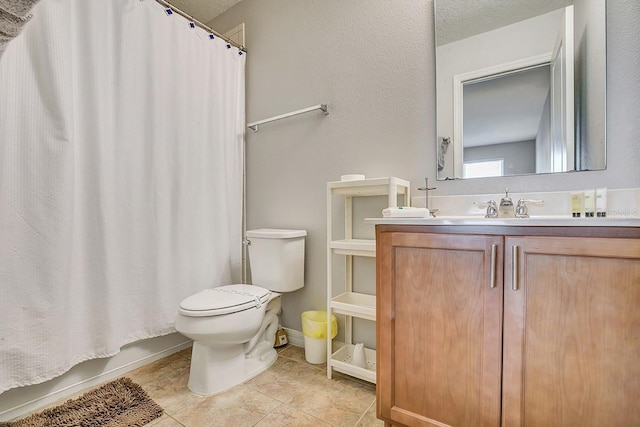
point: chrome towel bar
(254, 126)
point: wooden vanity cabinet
(438, 329)
(488, 327)
(571, 332)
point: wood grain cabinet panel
(440, 323)
(490, 330)
(572, 333)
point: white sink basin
(538, 220)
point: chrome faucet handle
(521, 207)
(492, 208)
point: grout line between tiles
(267, 414)
(364, 414)
(175, 420)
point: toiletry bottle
(577, 204)
(601, 202)
(589, 203)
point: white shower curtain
(121, 138)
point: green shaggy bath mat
(117, 403)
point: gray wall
(373, 62)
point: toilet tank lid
(276, 233)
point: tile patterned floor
(290, 393)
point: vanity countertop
(555, 221)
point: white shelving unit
(349, 303)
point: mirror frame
(583, 160)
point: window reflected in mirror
(483, 168)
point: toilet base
(257, 365)
(217, 367)
(214, 369)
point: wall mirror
(521, 86)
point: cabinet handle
(515, 250)
(494, 257)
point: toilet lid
(224, 300)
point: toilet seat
(224, 300)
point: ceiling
(459, 19)
(203, 10)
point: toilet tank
(276, 258)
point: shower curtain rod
(200, 24)
(254, 126)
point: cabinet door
(572, 332)
(439, 329)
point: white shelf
(370, 187)
(341, 362)
(357, 247)
(355, 304)
(352, 304)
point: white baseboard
(20, 401)
(295, 337)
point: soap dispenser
(506, 209)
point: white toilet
(233, 327)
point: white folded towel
(405, 212)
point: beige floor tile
(340, 402)
(163, 368)
(164, 421)
(284, 378)
(241, 406)
(293, 352)
(171, 396)
(369, 418)
(186, 353)
(297, 354)
(283, 348)
(166, 382)
(286, 416)
(290, 393)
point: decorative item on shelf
(352, 177)
(359, 358)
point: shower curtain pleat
(121, 137)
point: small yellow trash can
(314, 329)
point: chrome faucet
(426, 189)
(506, 209)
